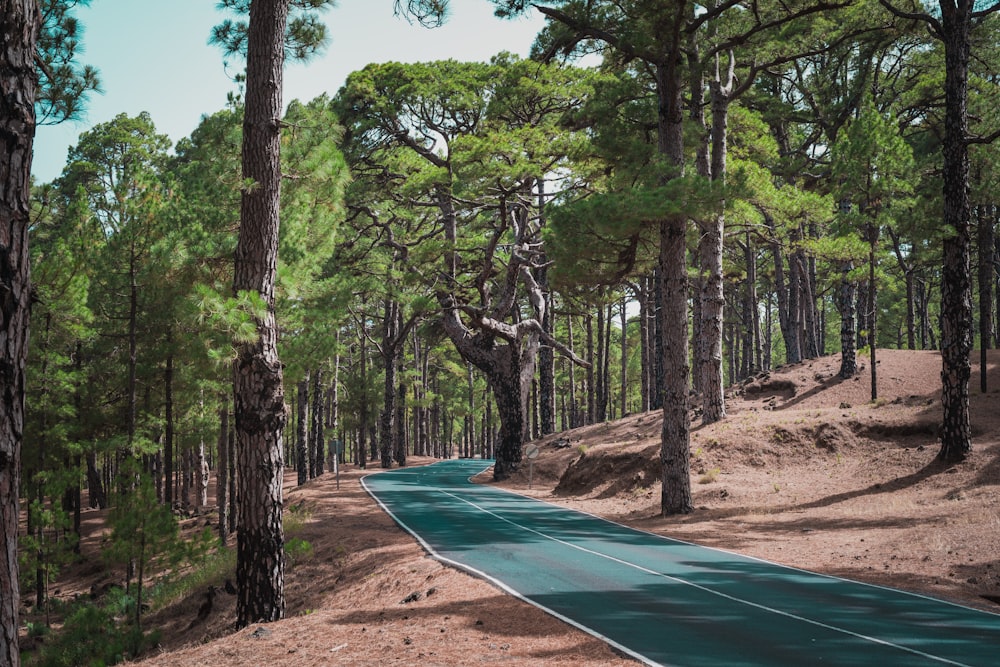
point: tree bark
(986, 218)
(302, 431)
(710, 255)
(845, 304)
(316, 435)
(624, 356)
(258, 391)
(956, 283)
(19, 25)
(222, 473)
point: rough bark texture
(845, 304)
(302, 431)
(675, 442)
(710, 251)
(956, 283)
(987, 216)
(258, 392)
(19, 25)
(675, 497)
(316, 436)
(222, 474)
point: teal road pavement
(666, 602)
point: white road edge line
(501, 585)
(711, 591)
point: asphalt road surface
(666, 602)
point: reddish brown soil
(806, 470)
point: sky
(153, 55)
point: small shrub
(710, 476)
(92, 635)
(295, 518)
(297, 551)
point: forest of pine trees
(472, 255)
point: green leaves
(601, 239)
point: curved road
(666, 602)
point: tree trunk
(258, 392)
(845, 304)
(675, 495)
(873, 234)
(19, 24)
(624, 356)
(316, 435)
(788, 300)
(907, 270)
(168, 431)
(573, 421)
(593, 358)
(222, 473)
(710, 255)
(333, 416)
(399, 437)
(986, 219)
(302, 432)
(956, 283)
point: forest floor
(806, 471)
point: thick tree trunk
(505, 380)
(19, 24)
(675, 441)
(675, 496)
(258, 391)
(956, 283)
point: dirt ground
(806, 470)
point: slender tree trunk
(594, 361)
(399, 437)
(573, 422)
(316, 435)
(259, 395)
(908, 276)
(624, 356)
(201, 476)
(986, 260)
(845, 304)
(710, 252)
(222, 473)
(788, 301)
(873, 234)
(645, 367)
(301, 431)
(333, 417)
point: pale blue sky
(153, 55)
